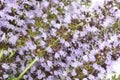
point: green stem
(26, 69)
(11, 55)
(1, 54)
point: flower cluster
(58, 39)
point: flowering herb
(59, 39)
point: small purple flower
(73, 73)
(96, 66)
(92, 57)
(85, 58)
(3, 37)
(91, 77)
(55, 1)
(49, 49)
(67, 44)
(85, 72)
(67, 18)
(13, 39)
(68, 78)
(77, 79)
(57, 55)
(49, 63)
(45, 4)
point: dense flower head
(59, 39)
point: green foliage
(3, 45)
(32, 34)
(21, 41)
(51, 16)
(11, 54)
(114, 77)
(116, 27)
(12, 78)
(61, 10)
(40, 24)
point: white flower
(30, 78)
(108, 21)
(5, 76)
(57, 26)
(42, 43)
(101, 75)
(5, 66)
(55, 1)
(114, 67)
(49, 49)
(13, 39)
(62, 40)
(54, 11)
(102, 45)
(45, 20)
(96, 3)
(67, 44)
(56, 72)
(91, 29)
(114, 39)
(40, 76)
(68, 78)
(85, 72)
(53, 32)
(74, 16)
(85, 79)
(67, 18)
(21, 52)
(73, 73)
(76, 64)
(83, 33)
(32, 69)
(62, 53)
(76, 34)
(30, 45)
(77, 79)
(57, 55)
(45, 4)
(44, 35)
(38, 72)
(50, 78)
(91, 77)
(23, 67)
(117, 14)
(91, 57)
(17, 59)
(96, 66)
(53, 22)
(118, 1)
(13, 65)
(49, 63)
(75, 3)
(25, 77)
(85, 58)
